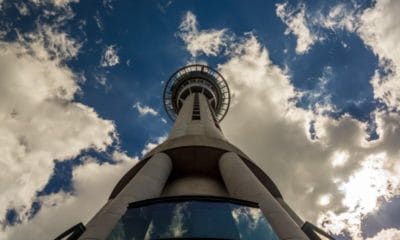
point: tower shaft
(196, 118)
(194, 170)
(196, 184)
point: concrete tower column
(183, 120)
(148, 183)
(300, 222)
(243, 184)
(205, 126)
(211, 125)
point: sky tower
(196, 185)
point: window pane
(193, 219)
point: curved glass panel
(193, 219)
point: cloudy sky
(315, 102)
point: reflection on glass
(193, 219)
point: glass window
(193, 219)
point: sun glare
(367, 184)
(362, 193)
(339, 158)
(324, 199)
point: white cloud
(22, 8)
(177, 226)
(362, 193)
(56, 44)
(333, 168)
(39, 120)
(339, 17)
(63, 3)
(379, 29)
(385, 234)
(207, 42)
(56, 3)
(110, 57)
(272, 124)
(339, 158)
(102, 80)
(324, 199)
(145, 110)
(199, 61)
(92, 185)
(319, 95)
(339, 161)
(296, 21)
(152, 144)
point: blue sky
(315, 88)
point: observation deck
(197, 78)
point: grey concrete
(243, 184)
(289, 210)
(148, 183)
(196, 141)
(185, 126)
(183, 119)
(195, 185)
(208, 121)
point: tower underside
(196, 184)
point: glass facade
(193, 219)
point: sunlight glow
(363, 193)
(324, 199)
(339, 158)
(368, 184)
